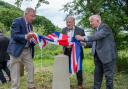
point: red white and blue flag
(38, 39)
(76, 57)
(59, 39)
(62, 40)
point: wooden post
(61, 73)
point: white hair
(96, 17)
(28, 10)
(70, 17)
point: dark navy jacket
(78, 31)
(17, 42)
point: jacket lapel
(66, 31)
(99, 28)
(24, 25)
(75, 31)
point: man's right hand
(28, 36)
(68, 46)
(80, 38)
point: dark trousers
(79, 78)
(103, 69)
(3, 66)
(79, 74)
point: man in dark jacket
(71, 30)
(4, 57)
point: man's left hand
(78, 37)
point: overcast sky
(50, 11)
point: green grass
(44, 71)
(122, 61)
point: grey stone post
(60, 73)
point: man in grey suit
(71, 30)
(103, 50)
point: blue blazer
(18, 41)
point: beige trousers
(26, 59)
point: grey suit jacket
(103, 44)
(78, 31)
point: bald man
(103, 50)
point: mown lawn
(44, 72)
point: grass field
(44, 71)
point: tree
(44, 25)
(9, 12)
(7, 16)
(2, 27)
(19, 2)
(113, 12)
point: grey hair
(27, 10)
(97, 17)
(70, 17)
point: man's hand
(28, 36)
(83, 43)
(68, 46)
(78, 37)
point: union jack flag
(76, 57)
(38, 39)
(62, 40)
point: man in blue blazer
(20, 49)
(103, 50)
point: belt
(26, 47)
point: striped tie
(28, 28)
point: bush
(47, 52)
(122, 60)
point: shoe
(9, 79)
(32, 88)
(4, 81)
(80, 87)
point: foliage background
(113, 12)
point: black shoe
(3, 82)
(80, 87)
(32, 88)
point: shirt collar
(98, 27)
(26, 21)
(72, 29)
